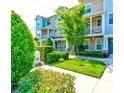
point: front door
(110, 45)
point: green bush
(49, 42)
(44, 50)
(22, 49)
(36, 39)
(46, 81)
(55, 56)
(93, 54)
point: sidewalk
(105, 83)
(87, 84)
(108, 61)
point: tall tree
(22, 49)
(73, 24)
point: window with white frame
(88, 8)
(110, 16)
(86, 44)
(99, 44)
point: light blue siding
(108, 9)
(43, 22)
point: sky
(29, 9)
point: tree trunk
(76, 48)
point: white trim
(56, 39)
(108, 19)
(96, 44)
(104, 5)
(103, 23)
(88, 45)
(109, 35)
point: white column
(90, 25)
(103, 23)
(67, 45)
(47, 32)
(105, 43)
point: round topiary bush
(22, 49)
(49, 42)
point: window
(98, 44)
(48, 22)
(88, 9)
(99, 22)
(110, 18)
(86, 44)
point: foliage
(56, 56)
(88, 67)
(46, 81)
(22, 49)
(36, 39)
(49, 42)
(44, 50)
(93, 54)
(73, 24)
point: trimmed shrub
(46, 81)
(49, 42)
(22, 49)
(44, 50)
(55, 56)
(93, 54)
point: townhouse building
(98, 35)
(47, 27)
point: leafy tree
(36, 39)
(22, 49)
(73, 24)
(49, 42)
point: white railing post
(103, 23)
(90, 25)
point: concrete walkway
(108, 61)
(87, 84)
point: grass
(87, 67)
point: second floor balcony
(96, 25)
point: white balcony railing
(44, 36)
(97, 29)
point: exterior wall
(38, 23)
(97, 6)
(43, 22)
(108, 9)
(92, 42)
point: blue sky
(29, 9)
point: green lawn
(87, 67)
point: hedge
(55, 56)
(44, 50)
(22, 49)
(93, 54)
(46, 81)
(48, 42)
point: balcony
(44, 36)
(97, 30)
